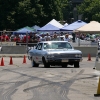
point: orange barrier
(89, 57)
(11, 61)
(2, 62)
(24, 59)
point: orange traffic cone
(2, 62)
(24, 59)
(11, 61)
(89, 57)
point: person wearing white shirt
(42, 38)
(66, 38)
(47, 37)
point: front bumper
(63, 60)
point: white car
(52, 53)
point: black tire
(76, 64)
(64, 65)
(34, 64)
(46, 65)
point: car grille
(64, 55)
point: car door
(35, 54)
(39, 53)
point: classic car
(51, 53)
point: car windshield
(57, 45)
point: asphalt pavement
(21, 81)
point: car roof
(52, 41)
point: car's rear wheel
(76, 64)
(34, 64)
(46, 64)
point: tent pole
(27, 42)
(79, 40)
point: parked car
(55, 53)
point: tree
(90, 10)
(28, 12)
(6, 12)
(19, 13)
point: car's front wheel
(34, 64)
(76, 64)
(46, 64)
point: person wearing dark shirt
(31, 37)
(73, 34)
(35, 39)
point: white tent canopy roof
(65, 24)
(93, 26)
(55, 23)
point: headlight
(78, 55)
(50, 56)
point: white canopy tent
(92, 27)
(51, 26)
(55, 23)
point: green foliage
(19, 13)
(90, 10)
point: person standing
(73, 34)
(55, 38)
(47, 37)
(66, 38)
(42, 38)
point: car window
(37, 46)
(47, 46)
(57, 45)
(68, 46)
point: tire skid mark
(11, 90)
(63, 87)
(8, 94)
(41, 95)
(55, 86)
(1, 91)
(47, 82)
(66, 86)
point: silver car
(51, 53)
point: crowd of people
(34, 37)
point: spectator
(31, 37)
(47, 37)
(25, 38)
(21, 37)
(12, 37)
(3, 36)
(73, 34)
(66, 38)
(38, 38)
(35, 39)
(7, 38)
(43, 38)
(55, 38)
(17, 38)
(61, 33)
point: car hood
(72, 51)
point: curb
(13, 55)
